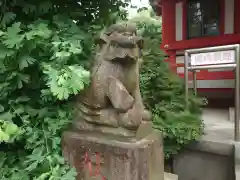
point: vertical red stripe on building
(222, 17)
(237, 16)
(185, 19)
(168, 30)
(168, 22)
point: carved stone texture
(120, 158)
(112, 103)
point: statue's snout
(128, 41)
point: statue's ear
(102, 39)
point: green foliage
(163, 91)
(44, 51)
(8, 131)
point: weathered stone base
(115, 158)
(205, 160)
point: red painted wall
(170, 45)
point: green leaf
(1, 33)
(38, 30)
(70, 175)
(14, 29)
(23, 78)
(22, 99)
(11, 129)
(44, 176)
(32, 166)
(7, 116)
(13, 38)
(4, 137)
(5, 52)
(25, 61)
(62, 54)
(20, 175)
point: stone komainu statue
(112, 103)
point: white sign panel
(220, 57)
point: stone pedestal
(98, 156)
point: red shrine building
(190, 24)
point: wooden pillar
(222, 17)
(185, 19)
(237, 16)
(168, 30)
(168, 22)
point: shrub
(163, 91)
(44, 49)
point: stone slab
(202, 165)
(214, 147)
(169, 176)
(217, 126)
(115, 158)
(212, 157)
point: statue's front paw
(146, 115)
(130, 120)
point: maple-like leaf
(13, 38)
(25, 61)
